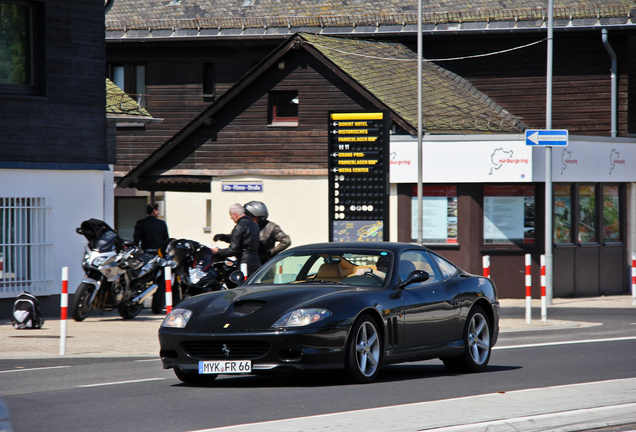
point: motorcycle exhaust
(144, 295)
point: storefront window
(439, 214)
(509, 214)
(611, 227)
(563, 214)
(587, 214)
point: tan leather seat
(329, 272)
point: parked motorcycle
(118, 275)
(199, 270)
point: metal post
(548, 161)
(420, 207)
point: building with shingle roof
(131, 19)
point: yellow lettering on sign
(357, 139)
(344, 169)
(357, 116)
(353, 131)
(345, 124)
(357, 162)
(366, 170)
(345, 154)
(361, 124)
(357, 155)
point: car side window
(445, 267)
(418, 260)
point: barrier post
(63, 310)
(168, 284)
(633, 278)
(486, 265)
(544, 299)
(528, 290)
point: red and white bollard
(486, 265)
(528, 290)
(633, 278)
(63, 310)
(168, 284)
(544, 299)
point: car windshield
(365, 268)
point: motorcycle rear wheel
(130, 311)
(82, 306)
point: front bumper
(297, 349)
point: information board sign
(359, 176)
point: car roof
(389, 246)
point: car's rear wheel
(477, 344)
(193, 377)
(364, 351)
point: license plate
(225, 367)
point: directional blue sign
(555, 137)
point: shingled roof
(120, 106)
(389, 72)
(156, 19)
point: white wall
(298, 204)
(73, 196)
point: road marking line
(34, 369)
(564, 343)
(121, 382)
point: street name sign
(554, 137)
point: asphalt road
(539, 379)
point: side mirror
(237, 277)
(414, 277)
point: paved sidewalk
(107, 334)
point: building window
(509, 214)
(611, 214)
(587, 213)
(24, 245)
(131, 78)
(21, 48)
(208, 80)
(563, 214)
(439, 214)
(283, 108)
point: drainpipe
(614, 79)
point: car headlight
(301, 317)
(177, 318)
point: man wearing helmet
(272, 239)
(243, 240)
(270, 234)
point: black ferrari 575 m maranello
(348, 306)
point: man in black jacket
(151, 232)
(243, 241)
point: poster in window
(562, 214)
(587, 214)
(611, 227)
(439, 214)
(509, 214)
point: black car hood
(258, 307)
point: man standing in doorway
(151, 233)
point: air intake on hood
(247, 307)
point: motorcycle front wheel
(130, 311)
(82, 305)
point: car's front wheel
(364, 351)
(194, 377)
(476, 342)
